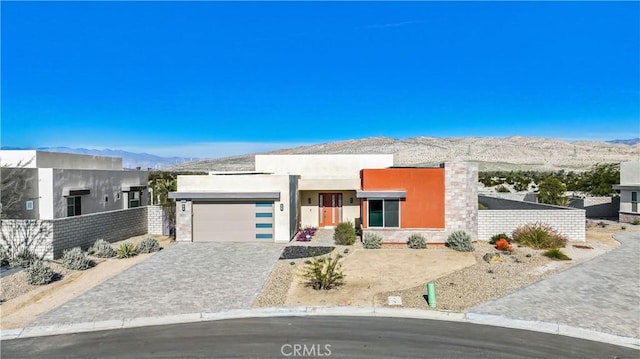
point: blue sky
(206, 79)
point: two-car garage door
(232, 221)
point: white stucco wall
(309, 212)
(41, 159)
(630, 173)
(321, 166)
(249, 183)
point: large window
(74, 206)
(384, 213)
(634, 201)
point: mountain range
(510, 153)
(505, 153)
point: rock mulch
(485, 281)
(460, 290)
(15, 285)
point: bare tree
(23, 241)
(15, 182)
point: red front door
(330, 209)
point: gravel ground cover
(469, 286)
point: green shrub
(148, 245)
(460, 241)
(601, 224)
(102, 249)
(499, 236)
(76, 259)
(556, 253)
(636, 221)
(538, 236)
(127, 250)
(502, 189)
(345, 233)
(372, 241)
(416, 241)
(39, 273)
(324, 272)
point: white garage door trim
(232, 221)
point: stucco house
(629, 188)
(288, 192)
(65, 185)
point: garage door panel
(232, 221)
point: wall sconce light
(309, 200)
(281, 207)
(350, 200)
(183, 205)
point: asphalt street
(309, 337)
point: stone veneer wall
(627, 217)
(569, 222)
(155, 220)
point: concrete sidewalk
(601, 295)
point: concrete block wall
(570, 223)
(155, 220)
(112, 226)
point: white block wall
(155, 220)
(570, 222)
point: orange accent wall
(424, 204)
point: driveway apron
(602, 294)
(184, 278)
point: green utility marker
(431, 294)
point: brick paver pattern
(602, 294)
(184, 278)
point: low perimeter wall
(569, 222)
(56, 235)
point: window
(74, 206)
(384, 213)
(29, 205)
(634, 201)
(134, 199)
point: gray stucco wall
(495, 203)
(30, 175)
(597, 207)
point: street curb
(383, 312)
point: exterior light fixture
(281, 207)
(183, 205)
(309, 200)
(351, 200)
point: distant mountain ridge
(631, 141)
(129, 159)
(506, 153)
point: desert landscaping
(462, 280)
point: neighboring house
(65, 185)
(629, 188)
(289, 192)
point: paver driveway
(184, 278)
(602, 294)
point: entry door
(330, 209)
